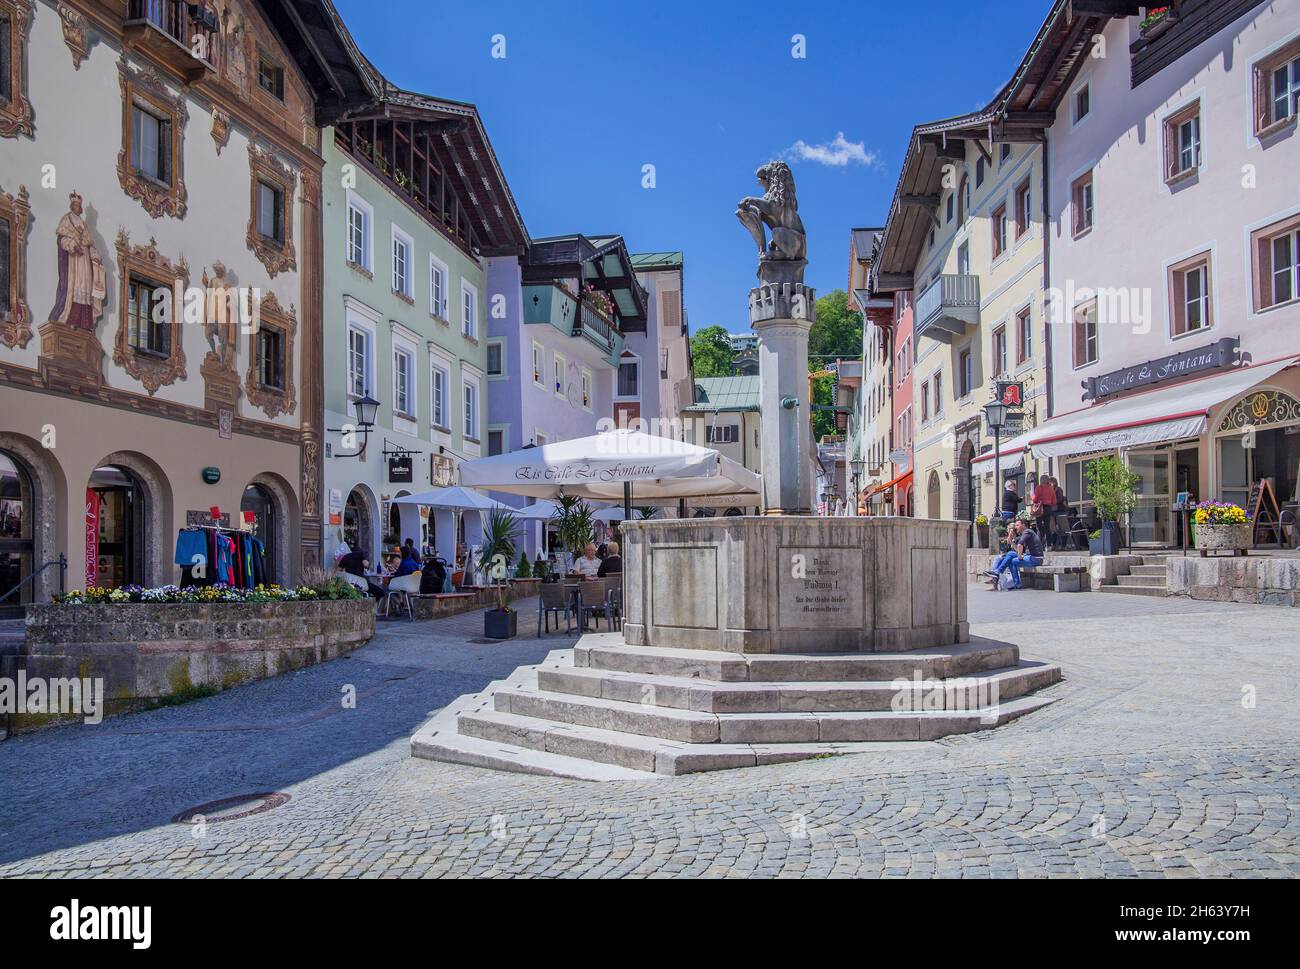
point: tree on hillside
(837, 332)
(712, 353)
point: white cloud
(837, 153)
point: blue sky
(705, 91)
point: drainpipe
(1047, 282)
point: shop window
(1190, 303)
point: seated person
(408, 565)
(1027, 550)
(587, 566)
(612, 563)
(356, 563)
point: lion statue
(778, 209)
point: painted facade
(130, 167)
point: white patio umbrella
(621, 464)
(458, 500)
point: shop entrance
(115, 520)
(16, 545)
(1276, 455)
(1152, 520)
(265, 523)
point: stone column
(782, 314)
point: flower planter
(500, 624)
(1223, 538)
(1158, 27)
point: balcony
(947, 307)
(553, 304)
(184, 36)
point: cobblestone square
(1148, 764)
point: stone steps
(1147, 579)
(1158, 570)
(1150, 581)
(805, 696)
(1135, 590)
(583, 713)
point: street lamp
(858, 466)
(995, 412)
(365, 407)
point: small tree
(1113, 487)
(523, 570)
(540, 568)
(574, 524)
(499, 550)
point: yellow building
(965, 235)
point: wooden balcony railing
(190, 33)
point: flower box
(1234, 538)
(1158, 22)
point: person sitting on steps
(1027, 550)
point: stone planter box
(146, 652)
(1223, 538)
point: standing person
(1043, 508)
(1011, 501)
(1061, 537)
(1027, 551)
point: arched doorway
(117, 517)
(17, 543)
(358, 521)
(259, 501)
(934, 504)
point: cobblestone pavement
(1149, 764)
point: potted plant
(574, 523)
(498, 551)
(1114, 491)
(1094, 542)
(540, 569)
(1222, 527)
(981, 531)
(1157, 21)
(523, 570)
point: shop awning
(900, 482)
(1011, 455)
(1164, 414)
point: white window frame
(357, 203)
(367, 330)
(1077, 119)
(439, 367)
(540, 437)
(634, 358)
(539, 365)
(438, 300)
(588, 390)
(407, 288)
(559, 374)
(499, 343)
(471, 401)
(406, 348)
(469, 315)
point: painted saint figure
(80, 299)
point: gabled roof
(864, 242)
(349, 87)
(1020, 112)
(717, 394)
(603, 261)
(645, 261)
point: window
(559, 367)
(270, 212)
(6, 60)
(1082, 103)
(931, 242)
(1277, 89)
(1000, 351)
(6, 271)
(402, 247)
(938, 394)
(539, 365)
(979, 171)
(437, 288)
(151, 144)
(1005, 154)
(1085, 334)
(586, 389)
(1182, 135)
(1276, 257)
(471, 411)
(1024, 335)
(469, 310)
(722, 434)
(999, 224)
(965, 374)
(963, 201)
(1024, 214)
(438, 382)
(148, 317)
(270, 77)
(949, 215)
(360, 343)
(270, 358)
(360, 216)
(925, 401)
(629, 373)
(1190, 306)
(495, 358)
(963, 259)
(403, 370)
(1082, 204)
(496, 442)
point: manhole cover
(232, 808)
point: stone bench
(1054, 578)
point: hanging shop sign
(1011, 393)
(1214, 356)
(400, 470)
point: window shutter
(165, 151)
(5, 281)
(1080, 340)
(672, 307)
(1264, 285)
